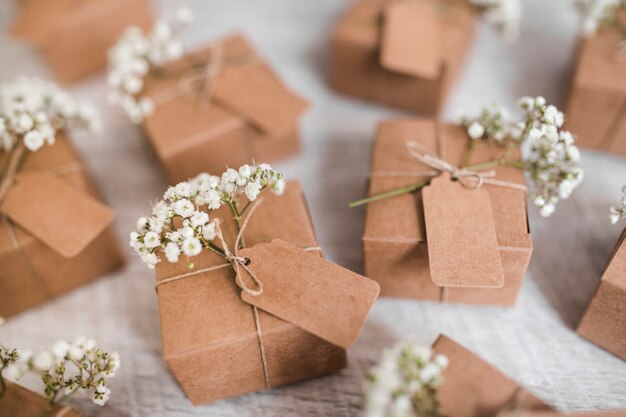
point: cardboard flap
(410, 40)
(600, 65)
(256, 94)
(461, 235)
(474, 388)
(61, 216)
(303, 288)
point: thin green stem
(391, 193)
(216, 249)
(3, 385)
(237, 217)
(468, 154)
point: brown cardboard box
(395, 246)
(400, 53)
(604, 323)
(21, 402)
(209, 334)
(597, 105)
(249, 114)
(74, 36)
(40, 260)
(473, 388)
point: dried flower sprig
(618, 212)
(601, 14)
(551, 160)
(64, 369)
(136, 54)
(504, 15)
(32, 111)
(180, 222)
(405, 383)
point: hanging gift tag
(61, 216)
(460, 235)
(409, 43)
(305, 289)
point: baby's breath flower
(32, 110)
(505, 15)
(136, 54)
(188, 202)
(68, 367)
(405, 383)
(598, 13)
(618, 212)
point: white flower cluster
(32, 110)
(505, 15)
(618, 212)
(67, 368)
(183, 204)
(405, 383)
(596, 13)
(490, 125)
(552, 158)
(136, 54)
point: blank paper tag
(64, 218)
(409, 43)
(257, 94)
(305, 289)
(461, 235)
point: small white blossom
(618, 212)
(191, 246)
(598, 13)
(475, 130)
(172, 251)
(43, 360)
(505, 15)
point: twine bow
(467, 178)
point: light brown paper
(356, 44)
(26, 278)
(394, 239)
(410, 38)
(21, 402)
(64, 218)
(461, 235)
(317, 295)
(210, 339)
(249, 116)
(604, 322)
(74, 36)
(596, 111)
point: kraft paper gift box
(247, 114)
(55, 234)
(406, 54)
(74, 36)
(210, 339)
(604, 322)
(483, 266)
(473, 388)
(597, 104)
(21, 402)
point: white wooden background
(534, 342)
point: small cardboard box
(604, 322)
(45, 249)
(21, 402)
(400, 53)
(596, 111)
(396, 250)
(249, 114)
(74, 36)
(210, 339)
(473, 388)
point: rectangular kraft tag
(409, 43)
(303, 288)
(461, 235)
(62, 217)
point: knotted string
(235, 261)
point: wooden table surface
(534, 343)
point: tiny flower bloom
(191, 246)
(43, 361)
(208, 232)
(184, 208)
(171, 252)
(152, 240)
(33, 140)
(475, 130)
(252, 190)
(60, 349)
(199, 218)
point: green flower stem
(237, 216)
(9, 170)
(496, 163)
(391, 193)
(468, 154)
(3, 385)
(213, 247)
